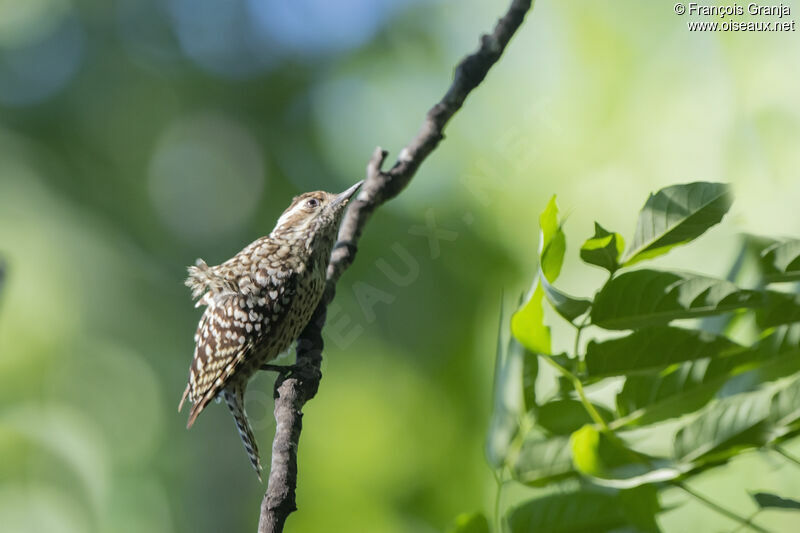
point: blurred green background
(138, 135)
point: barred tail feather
(235, 400)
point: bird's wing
(205, 279)
(235, 325)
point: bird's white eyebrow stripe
(284, 217)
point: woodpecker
(257, 303)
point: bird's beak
(344, 196)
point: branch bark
(292, 392)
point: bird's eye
(312, 202)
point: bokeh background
(138, 135)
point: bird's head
(314, 214)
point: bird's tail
(235, 400)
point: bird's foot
(284, 372)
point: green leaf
(779, 308)
(593, 453)
(553, 242)
(689, 386)
(567, 513)
(606, 460)
(567, 306)
(667, 394)
(785, 410)
(604, 249)
(734, 423)
(563, 416)
(676, 215)
(654, 347)
(507, 395)
(781, 261)
(721, 323)
(469, 523)
(782, 340)
(641, 506)
(527, 324)
(650, 297)
(785, 405)
(551, 258)
(542, 460)
(765, 500)
(530, 370)
(721, 422)
(584, 510)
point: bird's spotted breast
(242, 332)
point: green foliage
(781, 261)
(651, 297)
(604, 249)
(766, 500)
(554, 242)
(564, 416)
(653, 348)
(508, 403)
(720, 423)
(586, 510)
(610, 461)
(779, 308)
(470, 523)
(676, 215)
(684, 388)
(528, 325)
(687, 397)
(541, 460)
(567, 306)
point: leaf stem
(749, 521)
(588, 405)
(578, 386)
(498, 493)
(745, 522)
(577, 345)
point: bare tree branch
(292, 392)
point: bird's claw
(283, 371)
